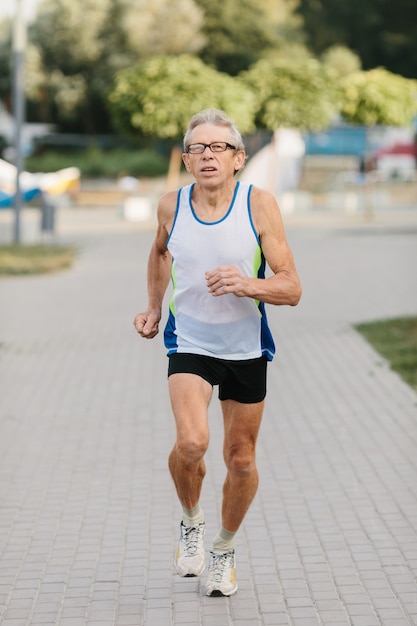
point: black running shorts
(243, 381)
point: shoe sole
(216, 593)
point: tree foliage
(165, 55)
(159, 96)
(382, 32)
(80, 45)
(342, 60)
(378, 97)
(5, 59)
(300, 94)
(240, 33)
(67, 61)
(164, 27)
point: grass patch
(23, 260)
(396, 341)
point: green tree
(382, 32)
(158, 97)
(163, 27)
(284, 23)
(5, 60)
(378, 97)
(342, 60)
(240, 33)
(81, 44)
(301, 93)
(67, 79)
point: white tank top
(228, 326)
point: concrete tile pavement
(88, 516)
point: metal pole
(19, 44)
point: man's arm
(159, 270)
(284, 286)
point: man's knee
(191, 449)
(240, 460)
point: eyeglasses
(217, 146)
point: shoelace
(219, 563)
(192, 536)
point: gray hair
(217, 118)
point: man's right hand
(147, 324)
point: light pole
(19, 45)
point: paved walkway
(88, 516)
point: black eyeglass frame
(209, 145)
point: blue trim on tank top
(224, 216)
(250, 215)
(175, 216)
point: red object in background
(409, 149)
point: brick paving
(89, 518)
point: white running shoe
(221, 579)
(189, 557)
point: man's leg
(190, 397)
(241, 427)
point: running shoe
(189, 557)
(221, 579)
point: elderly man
(213, 240)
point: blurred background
(324, 92)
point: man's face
(209, 167)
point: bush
(96, 163)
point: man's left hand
(226, 279)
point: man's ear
(240, 159)
(186, 161)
